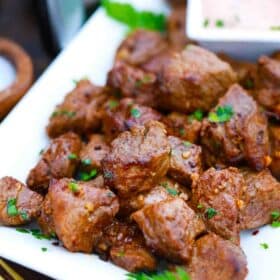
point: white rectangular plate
(22, 136)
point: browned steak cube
(170, 228)
(18, 204)
(79, 112)
(80, 212)
(217, 195)
(274, 137)
(59, 160)
(236, 130)
(261, 198)
(185, 160)
(138, 159)
(214, 258)
(194, 79)
(124, 115)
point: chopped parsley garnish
(108, 175)
(86, 161)
(182, 131)
(210, 213)
(63, 113)
(135, 113)
(196, 115)
(22, 230)
(127, 14)
(220, 23)
(24, 215)
(12, 207)
(275, 28)
(249, 84)
(121, 254)
(44, 249)
(145, 80)
(222, 114)
(84, 176)
(36, 233)
(264, 246)
(72, 156)
(164, 184)
(200, 206)
(179, 274)
(275, 215)
(74, 187)
(206, 22)
(187, 144)
(113, 104)
(41, 152)
(172, 191)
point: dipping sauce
(242, 14)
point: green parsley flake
(74, 187)
(164, 184)
(86, 161)
(84, 176)
(275, 224)
(249, 84)
(222, 114)
(206, 22)
(127, 14)
(113, 104)
(44, 249)
(179, 274)
(63, 113)
(196, 115)
(264, 246)
(121, 254)
(72, 156)
(182, 131)
(12, 208)
(135, 113)
(41, 152)
(200, 206)
(22, 230)
(275, 215)
(219, 23)
(187, 144)
(210, 213)
(172, 191)
(24, 215)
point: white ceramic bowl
(239, 43)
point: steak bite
(214, 258)
(18, 204)
(268, 93)
(170, 228)
(125, 246)
(79, 112)
(261, 197)
(274, 136)
(80, 212)
(124, 115)
(183, 126)
(236, 130)
(94, 152)
(58, 161)
(217, 194)
(138, 159)
(185, 160)
(194, 79)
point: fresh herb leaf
(12, 207)
(264, 246)
(41, 152)
(164, 184)
(196, 115)
(210, 213)
(39, 235)
(275, 28)
(206, 22)
(179, 274)
(84, 176)
(172, 191)
(220, 23)
(249, 83)
(74, 187)
(145, 80)
(127, 14)
(187, 144)
(275, 224)
(222, 114)
(22, 230)
(275, 215)
(200, 206)
(72, 156)
(113, 104)
(86, 161)
(135, 113)
(121, 254)
(24, 215)
(44, 249)
(63, 113)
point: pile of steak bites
(170, 160)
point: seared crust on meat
(214, 258)
(170, 228)
(261, 197)
(80, 214)
(194, 79)
(58, 161)
(138, 159)
(243, 137)
(217, 195)
(18, 204)
(274, 136)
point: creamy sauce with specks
(248, 14)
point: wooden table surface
(18, 22)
